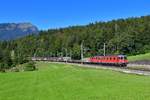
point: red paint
(118, 59)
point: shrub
(6, 66)
(15, 69)
(30, 66)
(13, 65)
(2, 67)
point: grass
(139, 57)
(68, 82)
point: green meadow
(69, 82)
(139, 57)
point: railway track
(141, 65)
(127, 70)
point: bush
(13, 65)
(30, 66)
(2, 67)
(6, 66)
(15, 69)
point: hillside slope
(123, 36)
(140, 59)
(130, 36)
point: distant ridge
(9, 31)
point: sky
(48, 14)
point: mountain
(9, 31)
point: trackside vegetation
(68, 82)
(140, 57)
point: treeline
(123, 36)
(8, 58)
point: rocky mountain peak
(16, 30)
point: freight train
(114, 60)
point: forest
(129, 36)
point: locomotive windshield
(123, 57)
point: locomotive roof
(111, 55)
(122, 55)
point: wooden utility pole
(104, 49)
(116, 27)
(82, 51)
(70, 54)
(66, 52)
(66, 55)
(117, 34)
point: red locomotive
(117, 60)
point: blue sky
(62, 13)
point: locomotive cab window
(121, 58)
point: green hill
(140, 57)
(128, 36)
(66, 82)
